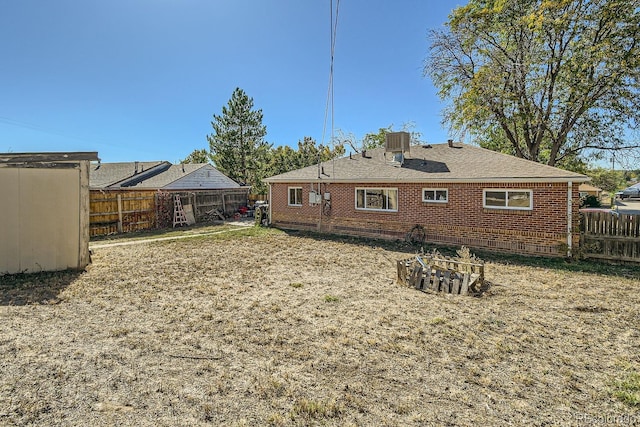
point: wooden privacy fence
(447, 275)
(114, 211)
(205, 204)
(610, 236)
(118, 211)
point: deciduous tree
(544, 80)
(308, 153)
(607, 179)
(373, 140)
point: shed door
(40, 219)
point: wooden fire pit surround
(436, 273)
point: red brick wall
(460, 221)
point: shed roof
(48, 157)
(431, 163)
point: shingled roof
(103, 175)
(158, 175)
(430, 163)
(189, 176)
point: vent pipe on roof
(136, 164)
(450, 142)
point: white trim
(507, 191)
(355, 201)
(434, 200)
(289, 197)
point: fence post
(224, 210)
(195, 206)
(119, 213)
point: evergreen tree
(237, 144)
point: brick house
(457, 193)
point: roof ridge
(439, 162)
(143, 175)
(181, 165)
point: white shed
(45, 211)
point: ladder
(179, 218)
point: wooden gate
(610, 236)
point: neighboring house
(45, 211)
(136, 196)
(589, 190)
(187, 176)
(456, 193)
(110, 175)
(158, 176)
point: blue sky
(141, 79)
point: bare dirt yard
(259, 327)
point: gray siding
(206, 178)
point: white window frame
(507, 191)
(435, 190)
(385, 191)
(296, 202)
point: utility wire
(330, 91)
(25, 125)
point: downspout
(569, 218)
(320, 205)
(269, 204)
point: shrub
(590, 201)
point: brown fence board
(113, 211)
(608, 236)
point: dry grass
(263, 328)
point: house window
(295, 196)
(377, 199)
(508, 199)
(435, 195)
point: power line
(26, 125)
(330, 91)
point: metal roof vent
(397, 141)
